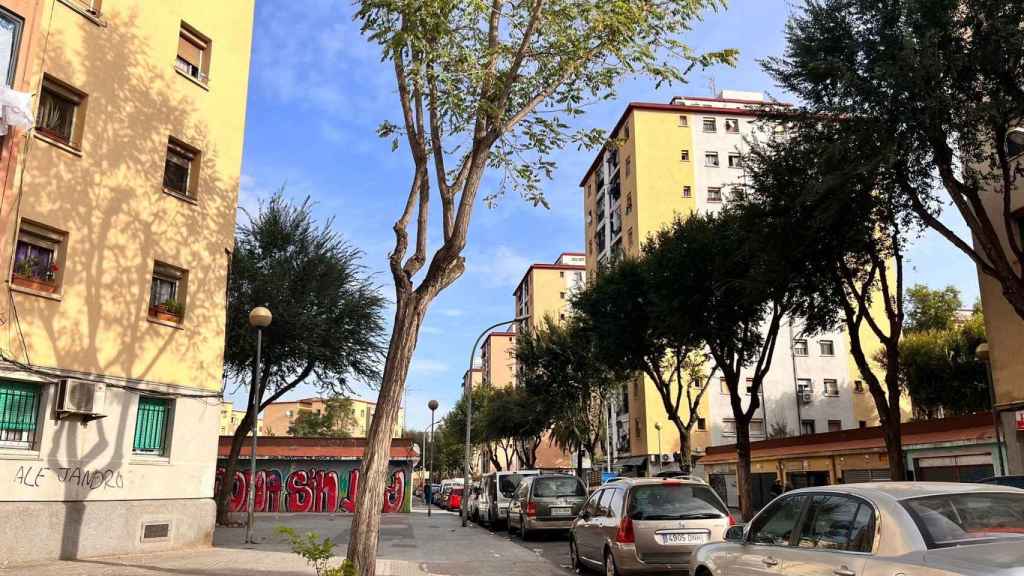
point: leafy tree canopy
(335, 421)
(929, 309)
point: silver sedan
(881, 529)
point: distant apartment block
(230, 418)
(279, 416)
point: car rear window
(555, 487)
(508, 484)
(671, 501)
(967, 518)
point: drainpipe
(796, 384)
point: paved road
(410, 544)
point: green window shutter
(151, 424)
(19, 406)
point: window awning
(631, 461)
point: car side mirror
(585, 515)
(734, 533)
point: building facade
(118, 211)
(677, 159)
(230, 418)
(279, 416)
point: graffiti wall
(313, 486)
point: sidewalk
(410, 545)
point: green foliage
(334, 422)
(923, 92)
(940, 370)
(317, 552)
(929, 309)
(327, 315)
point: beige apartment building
(230, 418)
(279, 416)
(118, 211)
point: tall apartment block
(279, 416)
(118, 216)
(678, 159)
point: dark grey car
(545, 502)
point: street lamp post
(981, 353)
(467, 389)
(259, 318)
(430, 459)
(657, 426)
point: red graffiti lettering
(300, 493)
(348, 503)
(394, 495)
(314, 490)
(326, 487)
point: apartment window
(151, 425)
(625, 131)
(714, 194)
(858, 386)
(687, 192)
(750, 386)
(684, 155)
(628, 166)
(728, 427)
(800, 347)
(757, 428)
(735, 161)
(709, 125)
(862, 424)
(38, 258)
(732, 125)
(90, 6)
(193, 54)
(10, 39)
(19, 414)
(683, 122)
(830, 386)
(827, 348)
(835, 425)
(804, 385)
(723, 387)
(561, 295)
(806, 427)
(180, 168)
(60, 112)
(167, 293)
(629, 236)
(629, 202)
(711, 159)
(736, 193)
(702, 424)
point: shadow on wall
(118, 219)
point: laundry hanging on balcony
(15, 110)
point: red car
(455, 499)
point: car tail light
(531, 509)
(625, 533)
(732, 521)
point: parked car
(454, 500)
(545, 502)
(1014, 481)
(473, 504)
(642, 525)
(496, 488)
(929, 528)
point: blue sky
(317, 91)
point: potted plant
(28, 274)
(169, 310)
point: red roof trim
(288, 447)
(673, 108)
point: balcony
(615, 189)
(600, 207)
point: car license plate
(684, 538)
(561, 511)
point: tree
(327, 327)
(929, 309)
(520, 417)
(942, 83)
(334, 422)
(837, 197)
(491, 85)
(940, 371)
(631, 337)
(559, 366)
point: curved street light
(259, 318)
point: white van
(496, 489)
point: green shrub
(317, 552)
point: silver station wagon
(646, 526)
(545, 502)
(883, 529)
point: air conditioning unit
(81, 397)
(805, 397)
(666, 458)
(654, 458)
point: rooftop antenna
(711, 85)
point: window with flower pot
(61, 113)
(167, 293)
(38, 258)
(181, 169)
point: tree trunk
(684, 446)
(362, 547)
(743, 485)
(230, 467)
(579, 462)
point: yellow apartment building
(230, 418)
(498, 359)
(671, 160)
(118, 211)
(278, 416)
(1004, 327)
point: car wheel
(609, 564)
(523, 532)
(574, 556)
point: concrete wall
(314, 485)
